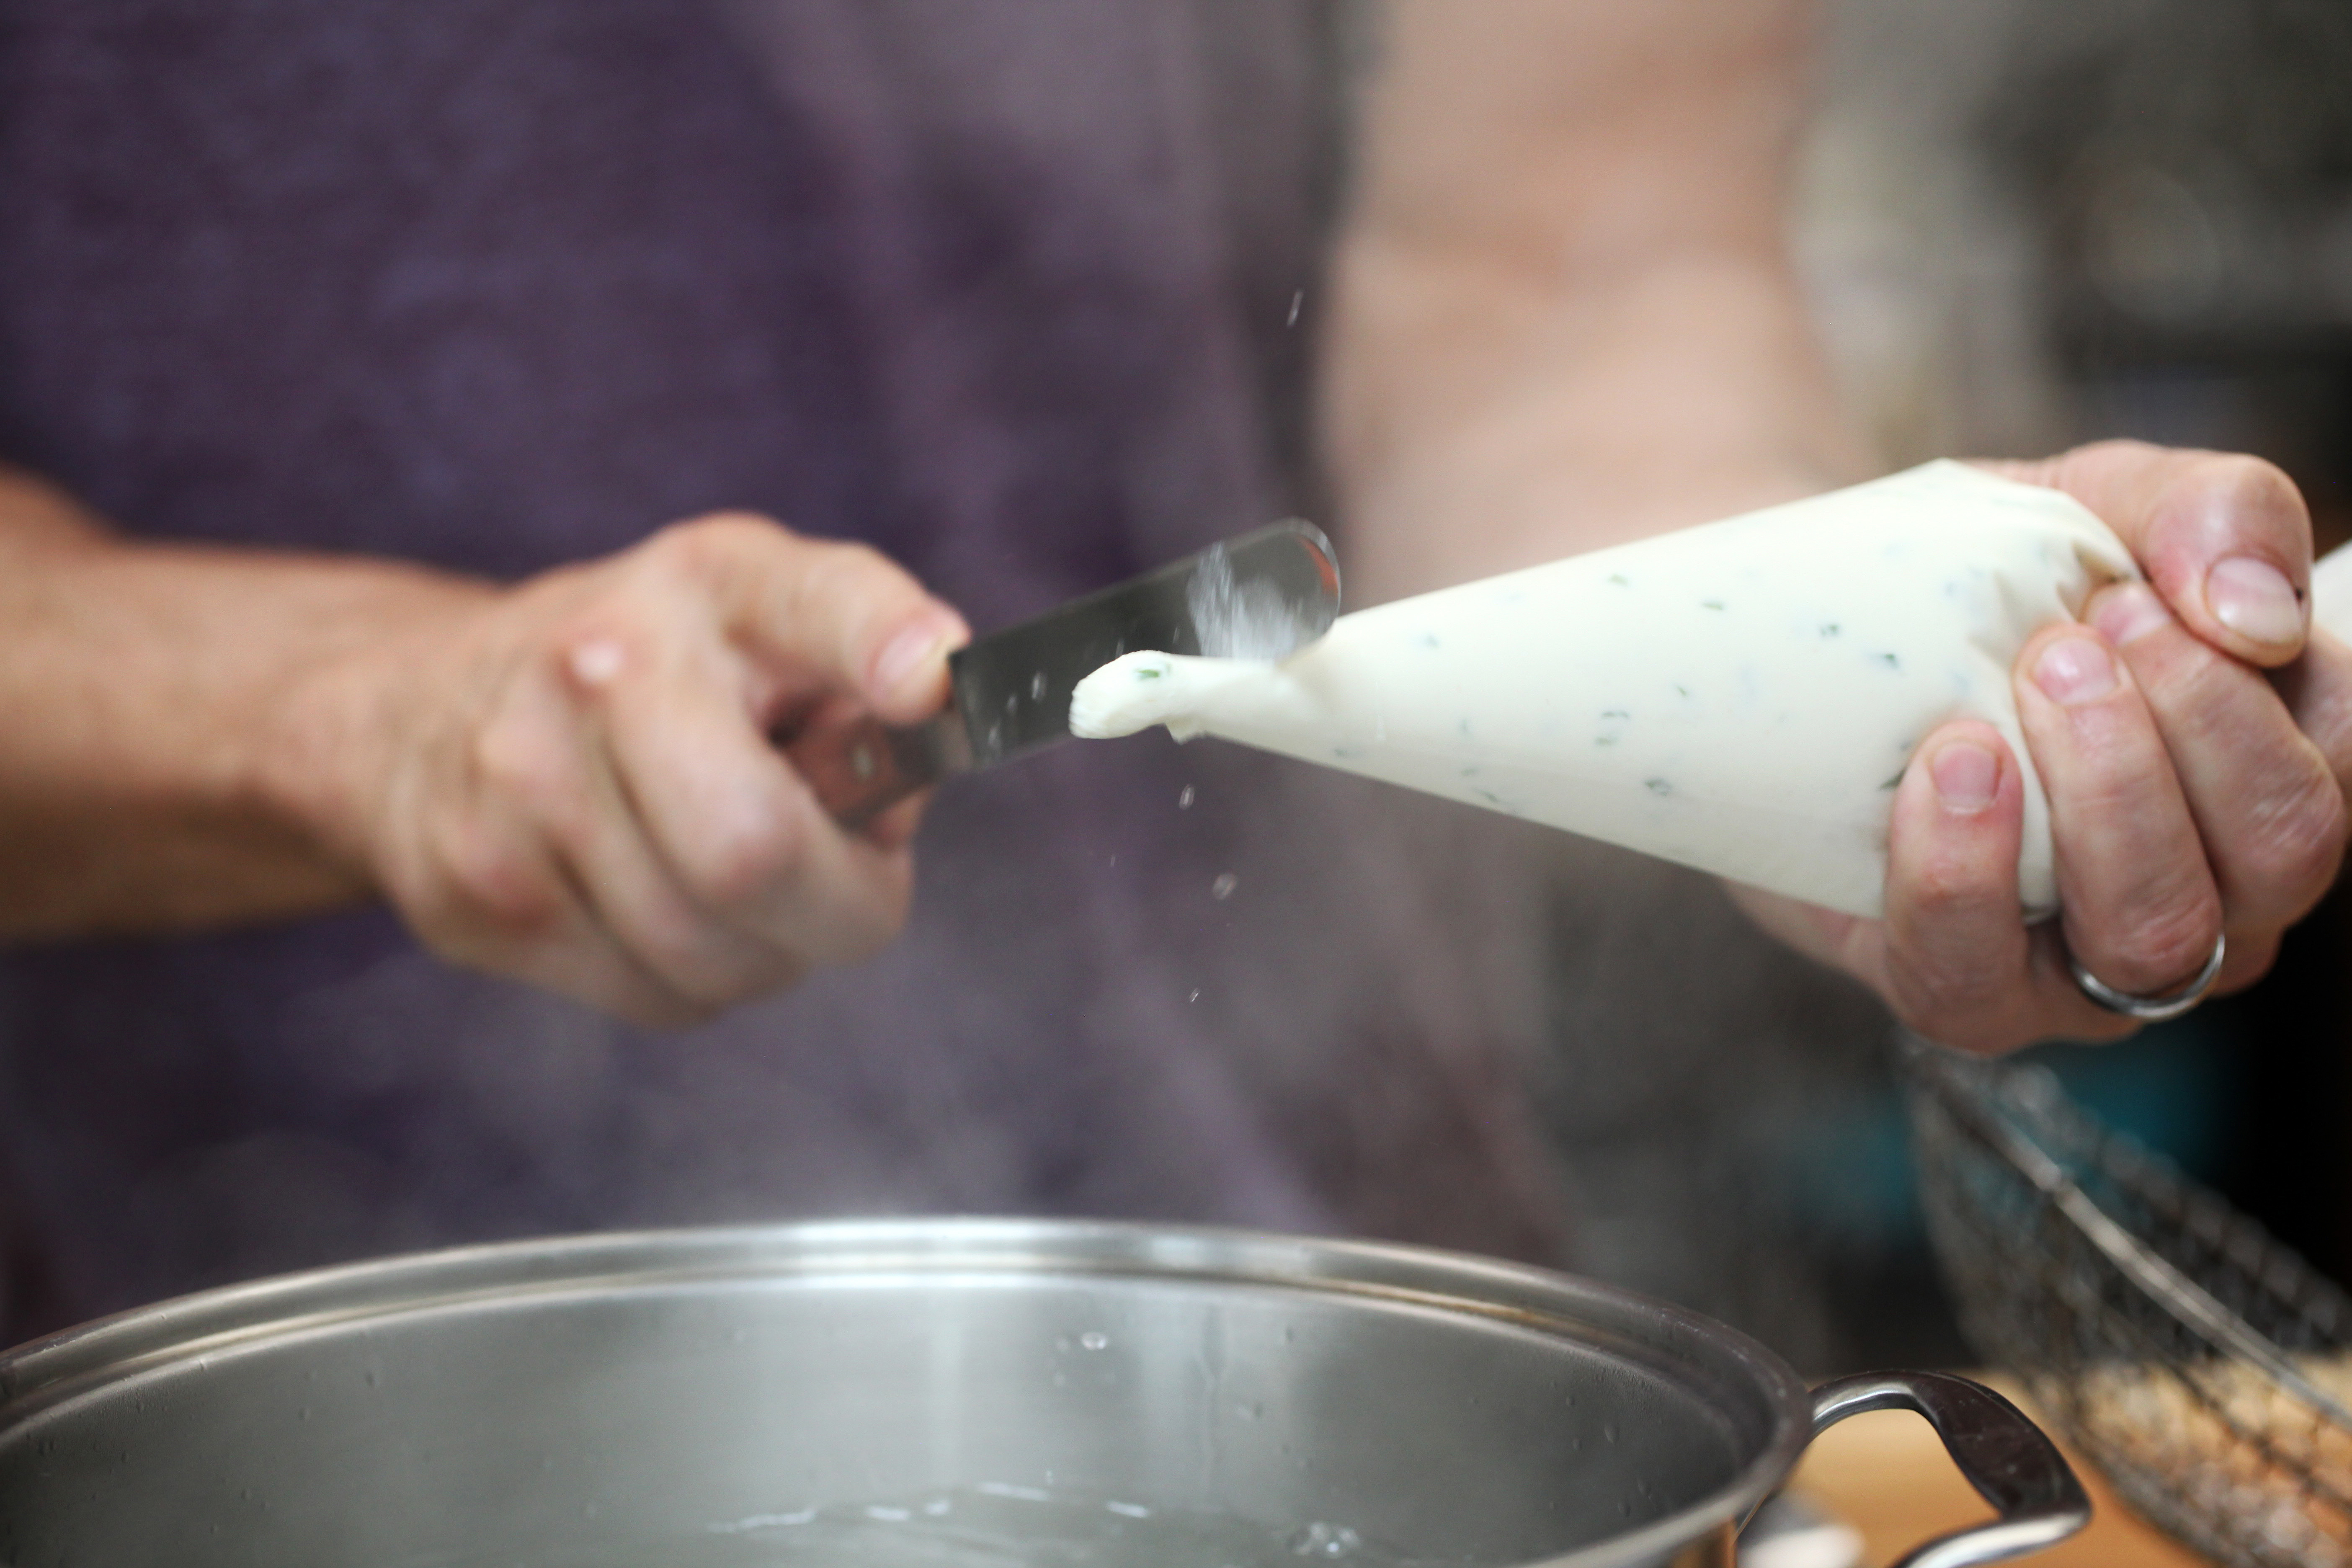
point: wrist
(340, 728)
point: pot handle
(2003, 1455)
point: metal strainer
(2200, 1364)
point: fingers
(852, 619)
(2265, 801)
(1954, 961)
(733, 826)
(483, 887)
(594, 806)
(2141, 908)
(2226, 539)
(2317, 691)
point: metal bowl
(936, 1391)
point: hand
(2194, 738)
(572, 782)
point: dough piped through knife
(1260, 597)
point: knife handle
(860, 767)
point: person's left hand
(2194, 736)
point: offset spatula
(1263, 595)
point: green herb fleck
(1830, 631)
(1710, 604)
(1891, 661)
(1658, 786)
(1619, 579)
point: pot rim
(1691, 1350)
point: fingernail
(2128, 611)
(914, 646)
(2074, 670)
(1967, 775)
(2255, 599)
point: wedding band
(2151, 1009)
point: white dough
(1740, 698)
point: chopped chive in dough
(1710, 604)
(1891, 661)
(1890, 784)
(1462, 727)
(1428, 639)
(1144, 672)
(1618, 712)
(1681, 688)
(1829, 629)
(1658, 786)
(1619, 579)
(1470, 772)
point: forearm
(1563, 315)
(152, 760)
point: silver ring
(2151, 1009)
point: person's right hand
(572, 782)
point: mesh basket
(2200, 1365)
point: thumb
(840, 613)
(2225, 538)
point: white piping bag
(1740, 698)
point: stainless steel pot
(865, 1392)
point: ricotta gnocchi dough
(1740, 697)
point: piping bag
(1742, 697)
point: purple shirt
(1004, 290)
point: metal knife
(1261, 595)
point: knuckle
(847, 572)
(1942, 888)
(738, 857)
(524, 767)
(689, 964)
(485, 878)
(700, 547)
(2295, 843)
(869, 923)
(2253, 487)
(2167, 946)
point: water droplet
(1184, 798)
(1223, 888)
(1327, 1541)
(1094, 1342)
(1037, 687)
(1195, 996)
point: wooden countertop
(1886, 1475)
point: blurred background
(2024, 226)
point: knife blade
(1264, 595)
